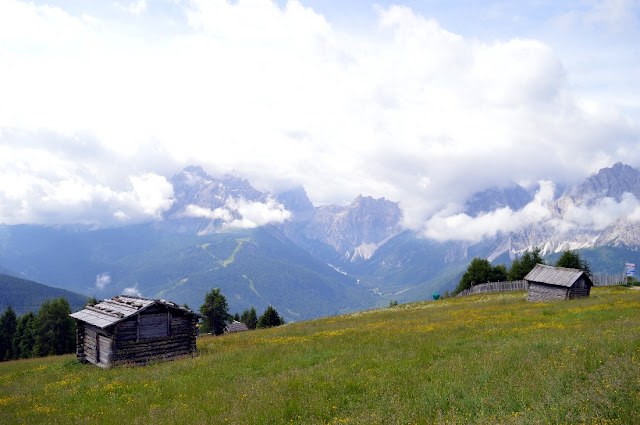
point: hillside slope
(258, 267)
(25, 295)
(480, 359)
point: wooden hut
(547, 283)
(235, 326)
(128, 329)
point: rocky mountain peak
(191, 176)
(295, 200)
(513, 196)
(194, 186)
(609, 182)
(367, 202)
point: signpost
(629, 272)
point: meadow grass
(491, 358)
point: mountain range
(308, 261)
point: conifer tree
(480, 271)
(521, 267)
(252, 321)
(55, 330)
(92, 301)
(270, 318)
(215, 312)
(571, 259)
(250, 318)
(24, 339)
(8, 324)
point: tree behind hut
(25, 338)
(571, 260)
(250, 318)
(215, 312)
(480, 271)
(55, 330)
(522, 266)
(8, 324)
(270, 318)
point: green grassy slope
(481, 359)
(25, 295)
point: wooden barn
(134, 330)
(235, 326)
(548, 283)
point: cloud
(242, 214)
(151, 193)
(135, 7)
(405, 109)
(256, 214)
(603, 213)
(544, 212)
(133, 291)
(102, 280)
(202, 212)
(464, 227)
(51, 198)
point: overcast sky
(421, 102)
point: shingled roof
(235, 326)
(119, 308)
(558, 276)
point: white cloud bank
(242, 214)
(26, 197)
(603, 213)
(464, 227)
(543, 212)
(98, 109)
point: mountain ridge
(308, 261)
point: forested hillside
(25, 295)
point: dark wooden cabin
(134, 330)
(548, 283)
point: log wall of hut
(95, 345)
(541, 292)
(155, 335)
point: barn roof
(236, 326)
(558, 276)
(119, 308)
